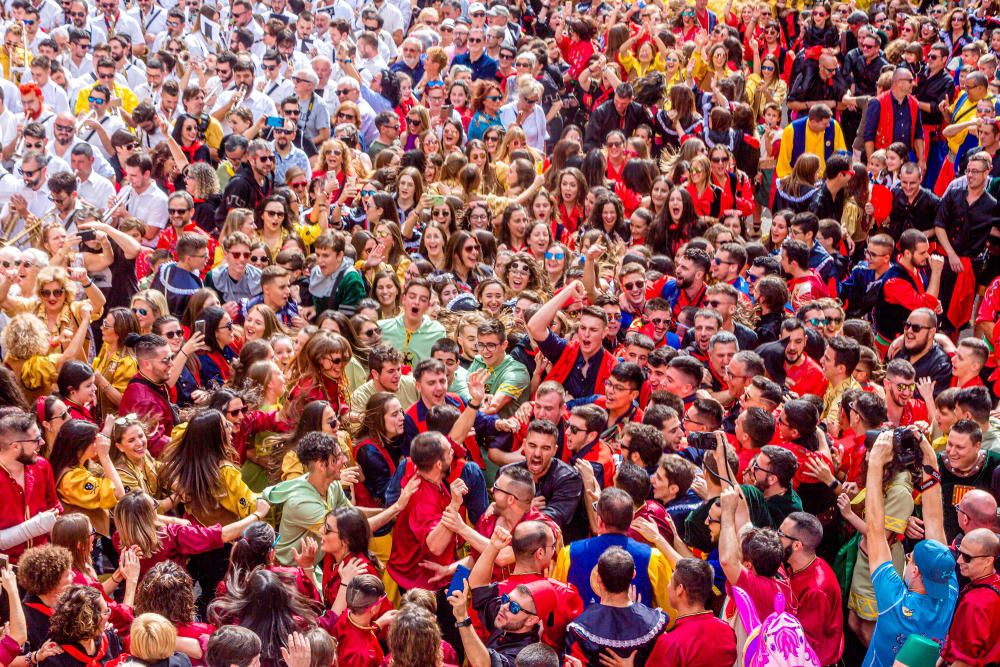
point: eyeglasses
(377, 331)
(906, 386)
(487, 347)
(834, 320)
(335, 361)
(298, 184)
(167, 359)
(266, 158)
(368, 193)
(514, 607)
(614, 144)
(57, 293)
(788, 537)
(31, 172)
(344, 91)
(518, 268)
(497, 487)
(279, 214)
(720, 160)
(494, 98)
(413, 121)
(96, 100)
(756, 466)
(917, 328)
(282, 130)
(639, 284)
(555, 255)
(659, 321)
(574, 429)
(299, 79)
(177, 211)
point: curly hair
(77, 615)
(24, 337)
(167, 590)
(206, 181)
(40, 570)
(55, 274)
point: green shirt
(415, 346)
(509, 378)
(303, 511)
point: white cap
(476, 7)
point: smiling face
(133, 443)
(492, 298)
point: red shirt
(974, 637)
(686, 644)
(807, 377)
(818, 594)
(569, 606)
(761, 591)
(168, 241)
(332, 581)
(976, 381)
(177, 542)
(409, 537)
(17, 504)
(488, 523)
(656, 513)
(356, 646)
(914, 411)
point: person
(412, 332)
(27, 487)
(894, 117)
(974, 627)
(818, 134)
(903, 287)
(920, 348)
(621, 112)
(924, 599)
(77, 626)
(147, 394)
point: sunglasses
(142, 312)
(57, 293)
(177, 211)
(236, 412)
(266, 158)
(514, 607)
(261, 259)
(377, 331)
(368, 193)
(555, 255)
(906, 386)
(632, 286)
(176, 333)
(917, 328)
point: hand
(850, 488)
(510, 425)
(925, 387)
(351, 568)
(844, 505)
(263, 508)
(103, 445)
(538, 502)
(523, 413)
(129, 565)
(595, 251)
(647, 528)
(8, 579)
(937, 263)
(49, 649)
(376, 256)
(451, 520)
(306, 558)
(700, 487)
(500, 538)
(881, 453)
(350, 475)
(955, 262)
(576, 290)
(78, 274)
(915, 528)
(818, 468)
(407, 492)
(19, 204)
(477, 385)
(298, 653)
(458, 490)
(460, 603)
(442, 573)
(611, 659)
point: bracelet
(475, 407)
(88, 284)
(834, 483)
(183, 352)
(115, 579)
(466, 622)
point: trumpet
(32, 226)
(80, 123)
(19, 148)
(184, 57)
(239, 96)
(123, 195)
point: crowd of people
(516, 334)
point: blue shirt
(484, 68)
(902, 613)
(901, 122)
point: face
(393, 423)
(796, 345)
(898, 391)
(917, 333)
(539, 449)
(492, 298)
(416, 301)
(518, 275)
(714, 521)
(433, 387)
(961, 452)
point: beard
(685, 283)
(26, 459)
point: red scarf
(189, 151)
(83, 658)
(564, 365)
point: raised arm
(538, 325)
(729, 541)
(878, 545)
(931, 500)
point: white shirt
(11, 96)
(152, 23)
(101, 164)
(55, 97)
(95, 190)
(533, 126)
(8, 126)
(278, 89)
(110, 123)
(74, 71)
(258, 103)
(150, 207)
(127, 25)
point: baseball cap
(937, 567)
(476, 7)
(447, 23)
(499, 10)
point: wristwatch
(464, 624)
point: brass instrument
(80, 123)
(123, 195)
(239, 96)
(32, 226)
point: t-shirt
(954, 488)
(902, 613)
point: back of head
(538, 655)
(615, 510)
(616, 568)
(152, 637)
(232, 645)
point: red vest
(362, 498)
(883, 134)
(562, 367)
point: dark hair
(646, 441)
(316, 446)
(762, 547)
(168, 590)
(696, 576)
(73, 374)
(977, 401)
(616, 568)
(250, 551)
(355, 532)
(783, 463)
(232, 645)
(427, 449)
(594, 417)
(759, 425)
(73, 439)
(615, 509)
(969, 428)
(634, 481)
(629, 373)
(846, 352)
(77, 615)
(537, 655)
(809, 528)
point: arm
(591, 281)
(538, 325)
(233, 530)
(110, 472)
(382, 518)
(75, 348)
(729, 544)
(18, 629)
(933, 509)
(441, 537)
(477, 391)
(475, 651)
(878, 545)
(482, 571)
(129, 246)
(190, 347)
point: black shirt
(864, 75)
(936, 365)
(561, 487)
(967, 225)
(954, 487)
(502, 646)
(916, 215)
(933, 89)
(827, 205)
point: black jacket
(606, 118)
(243, 191)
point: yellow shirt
(118, 368)
(813, 144)
(143, 476)
(125, 94)
(963, 114)
(78, 486)
(637, 70)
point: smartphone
(4, 562)
(86, 236)
(274, 121)
(199, 326)
(446, 112)
(437, 200)
(458, 579)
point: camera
(700, 440)
(905, 444)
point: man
(728, 264)
(106, 71)
(860, 291)
(683, 378)
(276, 85)
(900, 384)
(754, 429)
(419, 533)
(771, 474)
(431, 376)
(739, 373)
(27, 488)
(672, 487)
(894, 117)
(828, 202)
(805, 228)
(619, 113)
(904, 288)
(65, 140)
(305, 501)
(275, 293)
(617, 624)
(180, 209)
(687, 643)
(933, 88)
(974, 637)
(804, 283)
(977, 510)
(815, 586)
(584, 427)
(349, 90)
(235, 279)
(411, 331)
(180, 279)
(621, 393)
(922, 601)
(687, 289)
(314, 122)
(913, 206)
(770, 295)
(962, 225)
(926, 355)
(100, 124)
(583, 365)
(802, 374)
(819, 82)
(818, 134)
(862, 67)
(722, 346)
(409, 61)
(146, 200)
(147, 394)
(508, 378)
(557, 485)
(31, 198)
(334, 283)
(976, 403)
(512, 620)
(968, 362)
(550, 405)
(576, 561)
(384, 374)
(255, 100)
(476, 59)
(965, 467)
(387, 124)
(839, 361)
(252, 181)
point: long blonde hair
(136, 521)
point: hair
(809, 528)
(646, 441)
(615, 567)
(73, 439)
(414, 637)
(168, 590)
(232, 645)
(696, 576)
(762, 547)
(193, 464)
(310, 419)
(135, 519)
(152, 637)
(77, 615)
(783, 463)
(355, 532)
(977, 401)
(40, 570)
(679, 471)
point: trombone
(123, 195)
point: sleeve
(944, 212)
(39, 372)
(376, 471)
(239, 499)
(990, 305)
(889, 586)
(195, 539)
(561, 504)
(561, 570)
(422, 520)
(964, 643)
(898, 291)
(839, 145)
(784, 166)
(79, 487)
(552, 347)
(660, 573)
(871, 119)
(36, 526)
(898, 507)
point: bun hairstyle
(132, 339)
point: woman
(141, 530)
(572, 193)
(463, 253)
(239, 220)
(459, 95)
(409, 190)
(202, 183)
(491, 182)
(147, 306)
(54, 302)
(185, 370)
(261, 323)
(387, 233)
(74, 532)
(452, 136)
(522, 273)
(954, 32)
(388, 292)
(269, 607)
(138, 470)
(733, 184)
(78, 624)
(217, 356)
(278, 452)
(418, 121)
(251, 352)
(80, 490)
(415, 639)
(557, 263)
(539, 239)
(674, 226)
(333, 165)
(274, 223)
(477, 217)
(198, 467)
(115, 365)
(608, 216)
(821, 30)
(649, 56)
(255, 549)
(346, 554)
(615, 146)
(513, 229)
(201, 299)
(187, 135)
(379, 448)
(796, 191)
(487, 99)
(638, 225)
(244, 423)
(493, 139)
(656, 202)
(267, 379)
(680, 119)
(153, 643)
(167, 589)
(78, 388)
(491, 294)
(318, 374)
(765, 86)
(51, 413)
(432, 244)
